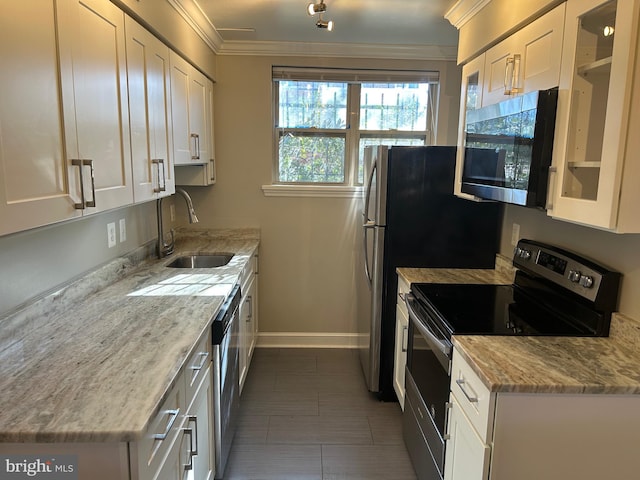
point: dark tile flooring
(307, 414)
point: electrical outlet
(172, 212)
(111, 234)
(123, 230)
(515, 234)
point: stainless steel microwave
(508, 149)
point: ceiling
(362, 24)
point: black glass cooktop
(500, 310)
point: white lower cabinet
(400, 349)
(533, 436)
(248, 318)
(178, 444)
(466, 453)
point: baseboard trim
(308, 340)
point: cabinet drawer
(153, 447)
(196, 367)
(475, 399)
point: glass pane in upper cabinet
(473, 91)
(589, 97)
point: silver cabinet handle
(203, 361)
(194, 419)
(80, 163)
(212, 162)
(249, 300)
(404, 339)
(461, 383)
(173, 414)
(189, 466)
(512, 75)
(196, 144)
(162, 181)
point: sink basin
(201, 261)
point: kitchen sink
(201, 261)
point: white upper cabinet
(148, 76)
(596, 140)
(94, 93)
(34, 188)
(192, 113)
(527, 61)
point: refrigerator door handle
(366, 227)
(367, 196)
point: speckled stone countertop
(502, 275)
(609, 365)
(94, 361)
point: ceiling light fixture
(325, 24)
(314, 8)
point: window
(323, 119)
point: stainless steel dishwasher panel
(226, 389)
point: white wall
(618, 252)
(307, 247)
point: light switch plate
(123, 230)
(111, 234)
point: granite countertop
(94, 361)
(545, 364)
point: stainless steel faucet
(166, 248)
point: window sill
(337, 191)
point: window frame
(354, 79)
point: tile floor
(306, 414)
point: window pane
(382, 141)
(311, 159)
(312, 104)
(394, 106)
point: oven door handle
(441, 345)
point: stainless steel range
(555, 292)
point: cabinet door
(180, 109)
(211, 145)
(400, 357)
(526, 61)
(245, 333)
(498, 72)
(175, 464)
(540, 47)
(148, 82)
(94, 92)
(199, 119)
(594, 108)
(467, 456)
(34, 187)
(199, 420)
(470, 99)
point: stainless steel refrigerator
(411, 218)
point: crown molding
(191, 12)
(347, 50)
(464, 10)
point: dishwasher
(226, 390)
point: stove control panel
(580, 275)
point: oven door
(427, 382)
